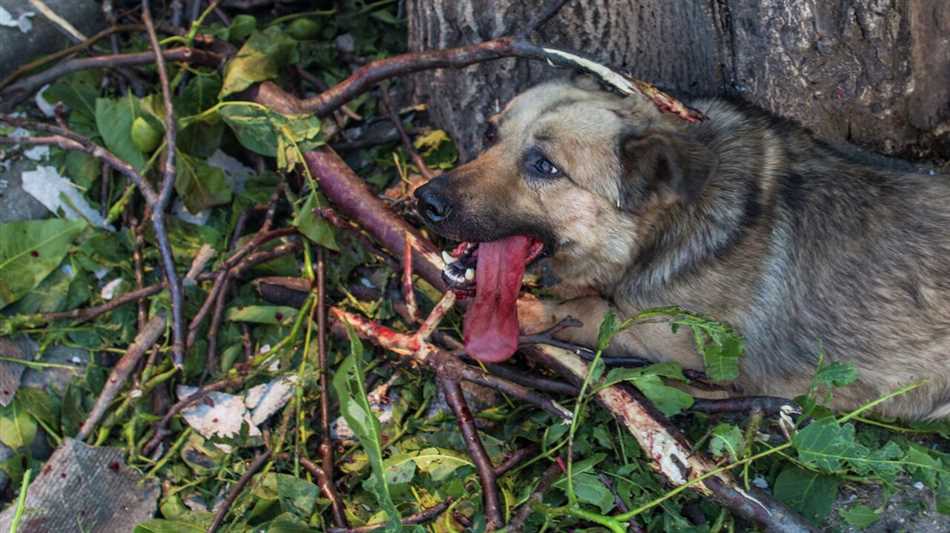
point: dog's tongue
(491, 323)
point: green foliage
(261, 58)
(30, 251)
(348, 384)
(809, 493)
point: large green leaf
(30, 251)
(200, 185)
(809, 493)
(439, 463)
(78, 91)
(273, 134)
(350, 391)
(17, 427)
(114, 119)
(261, 58)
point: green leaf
(859, 516)
(313, 226)
(298, 496)
(30, 251)
(837, 374)
(438, 463)
(261, 58)
(670, 401)
(40, 405)
(809, 493)
(78, 91)
(17, 427)
(826, 445)
(241, 27)
(114, 119)
(273, 134)
(157, 525)
(726, 438)
(590, 489)
(288, 523)
(274, 315)
(200, 185)
(351, 393)
(608, 328)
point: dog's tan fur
(743, 217)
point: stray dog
(806, 250)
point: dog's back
(811, 252)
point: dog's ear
(586, 81)
(663, 167)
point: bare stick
(515, 459)
(408, 292)
(486, 472)
(17, 92)
(259, 461)
(406, 141)
(165, 194)
(551, 474)
(120, 373)
(89, 313)
(325, 482)
(326, 443)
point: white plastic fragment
(22, 22)
(108, 291)
(58, 193)
(48, 109)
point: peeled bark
(872, 72)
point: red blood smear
(491, 323)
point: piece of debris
(83, 488)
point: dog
(809, 251)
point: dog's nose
(431, 204)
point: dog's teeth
(446, 258)
(469, 274)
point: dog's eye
(491, 134)
(546, 168)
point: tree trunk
(872, 72)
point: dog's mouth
(492, 271)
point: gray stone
(15, 203)
(19, 48)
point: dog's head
(583, 171)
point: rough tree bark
(872, 72)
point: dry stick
(259, 461)
(486, 471)
(19, 91)
(550, 475)
(21, 71)
(515, 459)
(406, 142)
(326, 444)
(408, 292)
(146, 337)
(165, 194)
(325, 482)
(88, 313)
(139, 244)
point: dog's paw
(535, 315)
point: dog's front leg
(654, 341)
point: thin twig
(120, 373)
(406, 141)
(769, 405)
(486, 471)
(551, 474)
(515, 459)
(16, 93)
(259, 461)
(408, 291)
(326, 443)
(325, 482)
(59, 21)
(165, 194)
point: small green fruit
(144, 136)
(303, 29)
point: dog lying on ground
(744, 217)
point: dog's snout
(432, 205)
